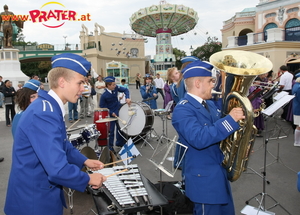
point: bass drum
(139, 118)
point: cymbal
(109, 119)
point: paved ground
(281, 173)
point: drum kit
(135, 121)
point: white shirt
(101, 84)
(286, 80)
(200, 100)
(159, 83)
(59, 101)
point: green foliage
(178, 55)
(211, 46)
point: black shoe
(1, 159)
(1, 107)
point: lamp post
(191, 49)
(65, 41)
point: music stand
(262, 207)
(278, 132)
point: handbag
(8, 100)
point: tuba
(239, 69)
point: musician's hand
(154, 94)
(114, 115)
(237, 114)
(128, 101)
(96, 180)
(94, 164)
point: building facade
(101, 48)
(271, 28)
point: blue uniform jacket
(43, 161)
(110, 100)
(200, 130)
(181, 91)
(145, 95)
(296, 100)
(174, 93)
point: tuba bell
(239, 69)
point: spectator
(159, 84)
(24, 97)
(100, 88)
(84, 101)
(1, 92)
(148, 92)
(9, 100)
(285, 83)
(121, 95)
(93, 92)
(296, 109)
(137, 81)
(168, 96)
(73, 112)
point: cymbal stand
(263, 194)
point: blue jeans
(1, 99)
(73, 113)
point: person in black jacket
(1, 92)
(9, 95)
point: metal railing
(292, 34)
(56, 47)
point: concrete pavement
(283, 159)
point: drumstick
(107, 164)
(115, 173)
(74, 123)
(123, 121)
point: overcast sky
(114, 16)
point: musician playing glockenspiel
(43, 160)
(200, 127)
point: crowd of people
(43, 161)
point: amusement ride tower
(163, 21)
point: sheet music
(280, 95)
(278, 104)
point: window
(269, 15)
(294, 9)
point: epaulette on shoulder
(182, 102)
(45, 104)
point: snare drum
(76, 140)
(139, 117)
(103, 127)
(90, 133)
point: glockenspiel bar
(127, 186)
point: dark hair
(23, 97)
(6, 81)
(145, 78)
(123, 80)
(284, 68)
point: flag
(128, 150)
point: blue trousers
(1, 99)
(120, 141)
(210, 209)
(73, 113)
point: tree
(178, 55)
(211, 46)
